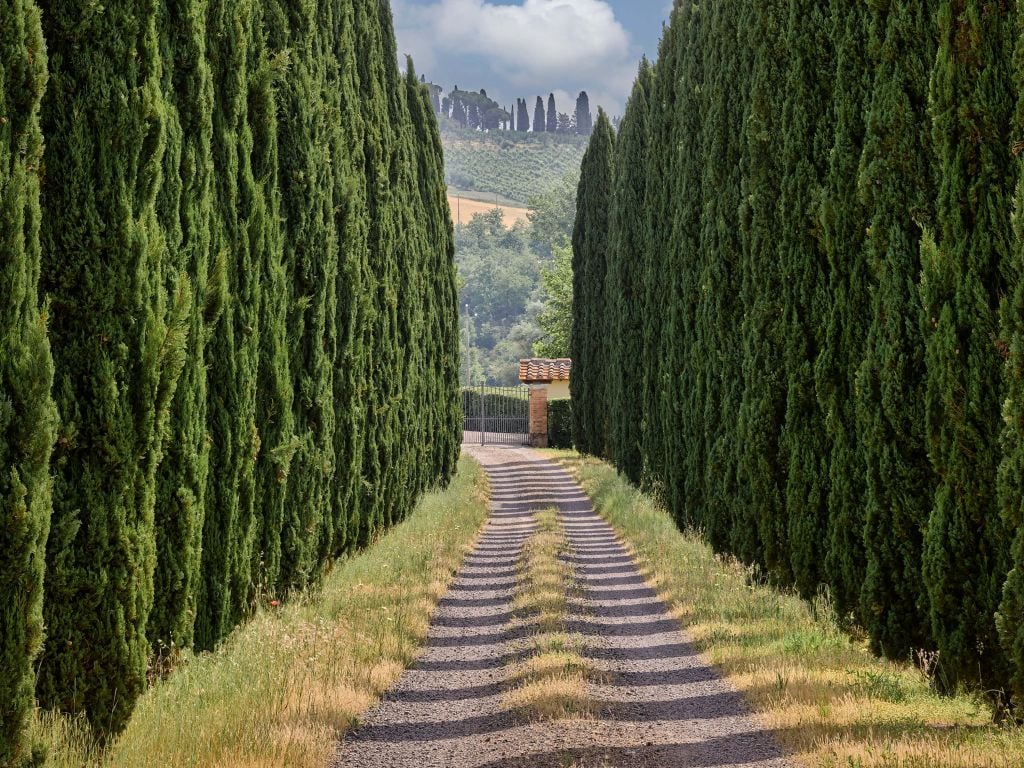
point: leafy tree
(565, 123)
(552, 216)
(555, 320)
(522, 116)
(552, 123)
(964, 279)
(28, 419)
(589, 266)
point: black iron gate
(496, 415)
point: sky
(529, 48)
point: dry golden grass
(823, 694)
(463, 210)
(552, 683)
(284, 687)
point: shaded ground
(661, 704)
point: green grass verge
(284, 687)
(824, 695)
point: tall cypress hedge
(844, 316)
(589, 259)
(233, 350)
(897, 188)
(760, 534)
(624, 281)
(185, 209)
(806, 138)
(829, 318)
(964, 280)
(117, 345)
(27, 415)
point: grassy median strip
(284, 687)
(818, 689)
(552, 682)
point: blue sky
(526, 48)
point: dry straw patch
(283, 688)
(552, 683)
(817, 687)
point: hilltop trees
(539, 123)
(254, 334)
(27, 414)
(584, 118)
(826, 313)
(552, 124)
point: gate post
(539, 415)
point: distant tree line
(228, 327)
(478, 112)
(799, 309)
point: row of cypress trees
(801, 250)
(238, 237)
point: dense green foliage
(829, 310)
(560, 424)
(117, 350)
(964, 279)
(516, 166)
(898, 193)
(625, 276)
(27, 415)
(516, 283)
(589, 268)
(243, 236)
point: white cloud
(538, 44)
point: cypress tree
(655, 234)
(806, 140)
(552, 124)
(233, 351)
(760, 533)
(1010, 620)
(719, 315)
(898, 191)
(845, 314)
(584, 118)
(682, 404)
(27, 416)
(185, 210)
(354, 301)
(965, 273)
(117, 351)
(624, 286)
(523, 116)
(589, 267)
(442, 402)
(539, 123)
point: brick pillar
(539, 415)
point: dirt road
(659, 702)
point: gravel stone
(660, 703)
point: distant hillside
(517, 166)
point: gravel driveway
(660, 702)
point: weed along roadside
(821, 692)
(283, 688)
